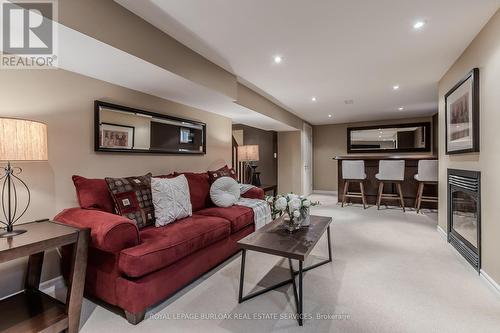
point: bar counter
(409, 185)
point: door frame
(307, 156)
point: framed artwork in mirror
(462, 115)
(116, 136)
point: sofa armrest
(108, 232)
(254, 193)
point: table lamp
(20, 140)
(250, 154)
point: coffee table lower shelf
(297, 292)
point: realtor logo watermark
(29, 34)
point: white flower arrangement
(290, 203)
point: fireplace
(464, 214)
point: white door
(307, 157)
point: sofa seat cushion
(239, 216)
(161, 247)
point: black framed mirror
(414, 137)
(127, 130)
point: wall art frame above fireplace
(122, 129)
(462, 115)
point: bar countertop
(386, 157)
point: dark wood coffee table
(274, 239)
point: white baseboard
(492, 283)
(325, 192)
(50, 286)
(442, 233)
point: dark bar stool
(390, 172)
(427, 174)
(353, 172)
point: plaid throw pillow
(225, 171)
(132, 197)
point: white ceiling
(335, 50)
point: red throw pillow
(199, 189)
(133, 199)
(93, 194)
(225, 171)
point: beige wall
(484, 53)
(330, 141)
(290, 162)
(64, 101)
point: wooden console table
(31, 310)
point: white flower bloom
(296, 213)
(291, 196)
(280, 204)
(295, 204)
(306, 203)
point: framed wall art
(462, 115)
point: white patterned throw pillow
(170, 199)
(225, 192)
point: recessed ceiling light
(395, 87)
(278, 59)
(380, 136)
(418, 25)
(329, 116)
(401, 108)
(313, 99)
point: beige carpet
(392, 272)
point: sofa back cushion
(170, 199)
(225, 192)
(132, 198)
(225, 171)
(199, 190)
(93, 194)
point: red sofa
(136, 269)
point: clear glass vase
(291, 224)
(305, 217)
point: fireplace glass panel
(464, 219)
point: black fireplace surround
(464, 214)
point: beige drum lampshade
(248, 153)
(22, 140)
